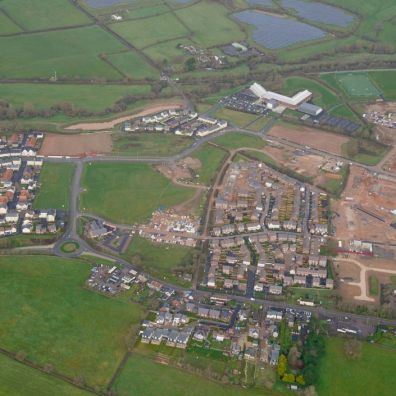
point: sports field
(144, 377)
(48, 314)
(158, 259)
(128, 193)
(356, 84)
(370, 374)
(55, 180)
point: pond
(106, 3)
(318, 12)
(276, 32)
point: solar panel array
(276, 32)
(318, 12)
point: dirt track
(311, 137)
(77, 145)
(100, 126)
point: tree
(289, 378)
(300, 380)
(21, 356)
(282, 365)
(190, 64)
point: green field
(156, 29)
(55, 182)
(7, 26)
(143, 144)
(94, 98)
(39, 55)
(236, 117)
(158, 259)
(48, 314)
(128, 193)
(211, 158)
(143, 377)
(238, 140)
(386, 82)
(355, 85)
(133, 65)
(210, 24)
(370, 374)
(374, 285)
(44, 14)
(19, 379)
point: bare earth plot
(364, 210)
(311, 137)
(363, 268)
(151, 109)
(77, 145)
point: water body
(106, 3)
(318, 12)
(275, 32)
(267, 3)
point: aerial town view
(197, 197)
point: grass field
(128, 193)
(18, 379)
(371, 374)
(44, 14)
(237, 140)
(211, 157)
(236, 117)
(156, 29)
(133, 65)
(7, 26)
(210, 24)
(143, 377)
(39, 55)
(49, 315)
(353, 84)
(386, 82)
(144, 144)
(374, 285)
(89, 97)
(55, 180)
(159, 260)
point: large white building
(293, 102)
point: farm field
(33, 14)
(129, 193)
(39, 55)
(370, 374)
(234, 141)
(133, 65)
(211, 158)
(7, 26)
(55, 180)
(386, 82)
(209, 24)
(50, 316)
(19, 379)
(142, 145)
(158, 259)
(95, 98)
(156, 29)
(144, 377)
